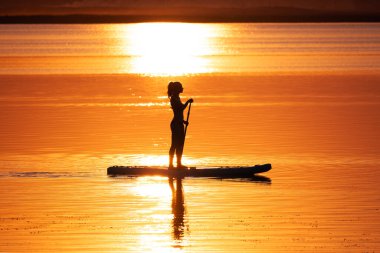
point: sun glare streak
(165, 49)
(160, 160)
(147, 160)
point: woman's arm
(185, 105)
(188, 102)
(177, 104)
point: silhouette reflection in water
(179, 222)
(178, 210)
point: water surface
(76, 99)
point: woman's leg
(178, 136)
(179, 146)
(172, 147)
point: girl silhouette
(177, 124)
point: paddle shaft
(188, 116)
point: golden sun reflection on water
(165, 49)
(153, 187)
(163, 213)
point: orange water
(64, 121)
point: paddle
(188, 116)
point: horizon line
(95, 18)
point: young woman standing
(177, 124)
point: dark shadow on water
(179, 223)
(45, 174)
(253, 179)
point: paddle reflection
(178, 211)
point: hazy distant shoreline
(93, 19)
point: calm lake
(76, 99)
